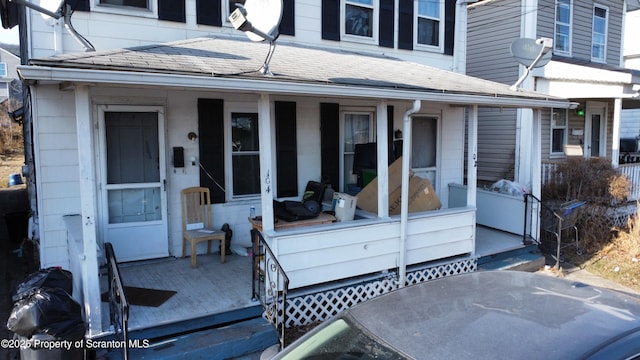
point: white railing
(631, 171)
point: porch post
(472, 157)
(383, 160)
(88, 206)
(536, 153)
(266, 165)
(615, 136)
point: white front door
(133, 181)
(595, 123)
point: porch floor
(211, 288)
(490, 241)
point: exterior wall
(57, 155)
(489, 57)
(112, 27)
(582, 26)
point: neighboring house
(630, 120)
(586, 67)
(109, 126)
(8, 73)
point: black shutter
(330, 148)
(288, 21)
(405, 24)
(390, 149)
(449, 26)
(78, 5)
(209, 12)
(286, 148)
(211, 137)
(387, 19)
(331, 20)
(171, 10)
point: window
(424, 146)
(562, 42)
(428, 22)
(599, 34)
(245, 154)
(231, 7)
(558, 130)
(357, 129)
(142, 4)
(360, 19)
(3, 69)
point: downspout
(404, 202)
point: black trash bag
(228, 233)
(50, 311)
(53, 277)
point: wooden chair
(196, 222)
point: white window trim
(425, 47)
(555, 22)
(355, 38)
(565, 140)
(150, 12)
(228, 150)
(606, 32)
(372, 133)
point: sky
(9, 36)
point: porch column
(472, 157)
(536, 153)
(88, 209)
(266, 165)
(383, 159)
(523, 156)
(615, 136)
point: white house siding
(111, 28)
(492, 28)
(630, 123)
(57, 160)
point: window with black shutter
(331, 20)
(171, 10)
(405, 24)
(211, 149)
(286, 148)
(386, 33)
(288, 21)
(209, 12)
(329, 143)
(78, 5)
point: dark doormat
(144, 296)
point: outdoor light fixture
(580, 110)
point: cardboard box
(344, 206)
(422, 196)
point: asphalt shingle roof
(239, 58)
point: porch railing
(631, 171)
(118, 303)
(270, 284)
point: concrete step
(528, 259)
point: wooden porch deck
(211, 288)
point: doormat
(143, 296)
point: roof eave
(90, 76)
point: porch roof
(229, 63)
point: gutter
(404, 204)
(35, 74)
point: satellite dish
(525, 51)
(259, 19)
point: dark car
(482, 315)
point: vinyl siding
(630, 123)
(492, 28)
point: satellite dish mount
(530, 53)
(259, 20)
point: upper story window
(3, 70)
(141, 4)
(562, 38)
(429, 24)
(360, 20)
(559, 123)
(599, 34)
(231, 7)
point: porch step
(528, 258)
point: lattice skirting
(320, 306)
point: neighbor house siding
(492, 28)
(630, 123)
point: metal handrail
(118, 303)
(270, 284)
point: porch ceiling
(228, 63)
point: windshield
(341, 340)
